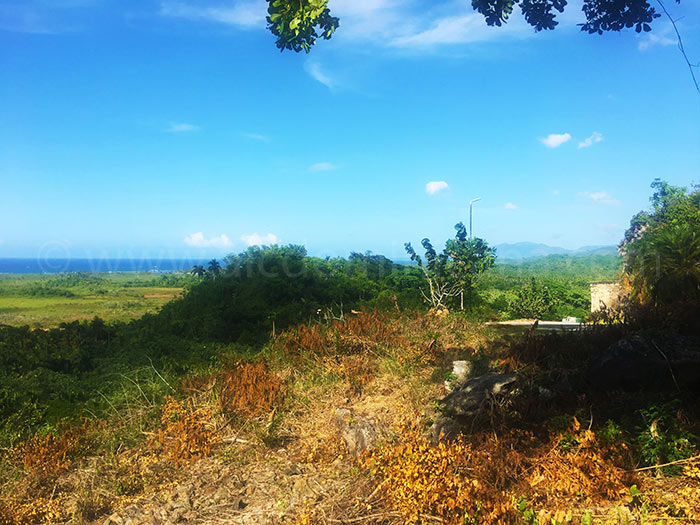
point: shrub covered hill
(46, 375)
(283, 388)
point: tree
(198, 271)
(469, 258)
(439, 286)
(662, 247)
(454, 271)
(297, 24)
(533, 301)
(214, 268)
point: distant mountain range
(529, 250)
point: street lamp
(470, 214)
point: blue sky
(176, 128)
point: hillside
(340, 422)
(529, 250)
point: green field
(42, 301)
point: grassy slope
(529, 458)
(46, 301)
(389, 370)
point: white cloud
(435, 186)
(555, 140)
(510, 206)
(256, 136)
(593, 139)
(356, 7)
(243, 13)
(455, 29)
(601, 197)
(395, 24)
(255, 239)
(322, 166)
(651, 40)
(198, 240)
(313, 68)
(181, 127)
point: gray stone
(444, 429)
(359, 433)
(460, 372)
(470, 398)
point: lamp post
(471, 202)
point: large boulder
(638, 363)
(472, 396)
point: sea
(44, 265)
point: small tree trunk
(461, 300)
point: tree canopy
(453, 272)
(662, 247)
(297, 24)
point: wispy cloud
(510, 206)
(556, 192)
(394, 24)
(197, 240)
(243, 13)
(181, 127)
(434, 187)
(601, 197)
(413, 26)
(593, 139)
(650, 40)
(455, 29)
(357, 7)
(322, 166)
(554, 140)
(254, 239)
(256, 136)
(314, 69)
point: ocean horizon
(17, 265)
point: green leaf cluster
(662, 247)
(297, 24)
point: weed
(662, 440)
(186, 432)
(527, 514)
(91, 504)
(249, 389)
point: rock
(460, 372)
(114, 519)
(472, 395)
(359, 433)
(637, 363)
(302, 491)
(444, 429)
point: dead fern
(186, 431)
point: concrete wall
(605, 293)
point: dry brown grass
(480, 480)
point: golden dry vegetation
(256, 441)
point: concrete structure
(605, 293)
